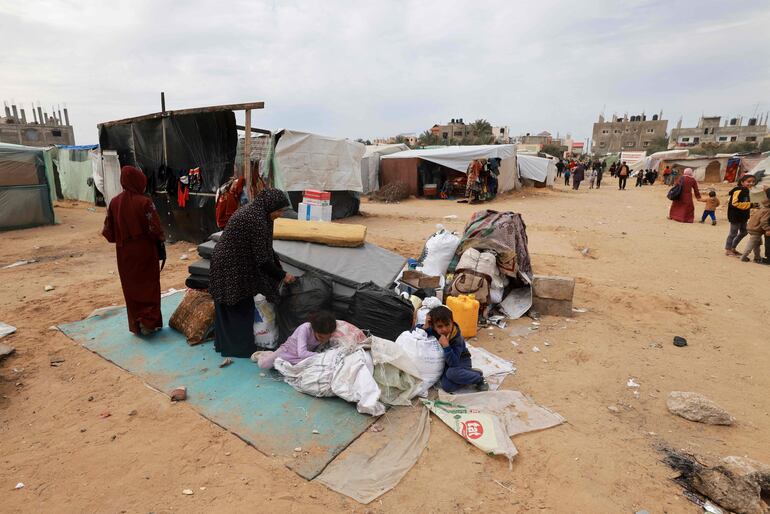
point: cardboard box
(310, 212)
(419, 280)
(313, 201)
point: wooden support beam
(254, 129)
(247, 153)
(197, 110)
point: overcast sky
(369, 69)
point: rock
(316, 431)
(632, 383)
(187, 492)
(184, 257)
(132, 412)
(613, 409)
(20, 485)
(6, 350)
(553, 288)
(179, 394)
(729, 490)
(750, 469)
(535, 349)
(696, 407)
(298, 449)
(49, 287)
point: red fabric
(132, 223)
(683, 209)
(228, 202)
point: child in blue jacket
(458, 372)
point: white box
(313, 201)
(311, 212)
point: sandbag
(384, 313)
(265, 329)
(194, 317)
(439, 250)
(308, 294)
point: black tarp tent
(166, 145)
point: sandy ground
(644, 280)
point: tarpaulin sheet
(27, 193)
(203, 140)
(370, 164)
(349, 266)
(310, 161)
(536, 168)
(105, 170)
(258, 407)
(74, 168)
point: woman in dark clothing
(132, 223)
(242, 266)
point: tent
(653, 161)
(705, 169)
(403, 166)
(304, 161)
(537, 169)
(762, 171)
(370, 164)
(73, 173)
(27, 191)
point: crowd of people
(576, 171)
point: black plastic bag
(384, 313)
(310, 293)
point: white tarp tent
(370, 164)
(309, 161)
(459, 157)
(652, 161)
(762, 172)
(539, 169)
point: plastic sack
(347, 335)
(313, 375)
(483, 430)
(354, 382)
(397, 387)
(308, 294)
(439, 250)
(265, 329)
(429, 303)
(415, 353)
(380, 311)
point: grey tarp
(26, 187)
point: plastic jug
(465, 311)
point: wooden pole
(247, 152)
(163, 127)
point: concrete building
(42, 130)
(543, 138)
(634, 133)
(711, 130)
(457, 129)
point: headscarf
(688, 172)
(131, 215)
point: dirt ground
(643, 280)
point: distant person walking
(578, 175)
(682, 208)
(639, 178)
(132, 223)
(623, 173)
(738, 212)
(592, 178)
(599, 175)
(567, 174)
(667, 176)
(559, 168)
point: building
(457, 130)
(543, 138)
(711, 130)
(634, 133)
(42, 130)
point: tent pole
(247, 153)
(163, 126)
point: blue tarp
(257, 406)
(77, 147)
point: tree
(482, 131)
(428, 138)
(659, 144)
(554, 150)
(400, 139)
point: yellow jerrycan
(465, 311)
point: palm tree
(481, 128)
(428, 138)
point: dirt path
(643, 280)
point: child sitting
(458, 372)
(759, 225)
(306, 338)
(712, 202)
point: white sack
(313, 375)
(429, 303)
(425, 355)
(265, 329)
(440, 249)
(354, 382)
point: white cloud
(353, 68)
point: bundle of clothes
(482, 179)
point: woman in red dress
(132, 223)
(683, 208)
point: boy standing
(759, 225)
(458, 372)
(712, 202)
